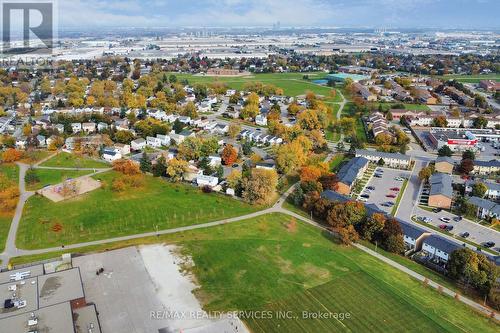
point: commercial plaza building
(37, 301)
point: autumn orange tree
(9, 194)
(11, 155)
(229, 155)
(126, 167)
(309, 173)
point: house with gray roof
(492, 192)
(349, 173)
(486, 167)
(413, 236)
(439, 248)
(441, 190)
(393, 160)
(485, 208)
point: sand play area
(70, 188)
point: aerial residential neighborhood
(257, 167)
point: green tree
(479, 189)
(468, 154)
(445, 151)
(372, 227)
(159, 169)
(145, 163)
(392, 236)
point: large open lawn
(67, 160)
(12, 173)
(267, 264)
(292, 84)
(54, 176)
(104, 214)
(471, 78)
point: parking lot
(379, 188)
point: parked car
(391, 195)
(371, 188)
(379, 170)
(363, 199)
(449, 228)
(437, 210)
(489, 244)
(367, 196)
(457, 218)
(377, 175)
(425, 219)
(445, 219)
(395, 189)
(442, 226)
(464, 234)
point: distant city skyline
(441, 14)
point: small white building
(111, 154)
(76, 127)
(153, 142)
(165, 139)
(261, 120)
(138, 144)
(214, 161)
(123, 148)
(89, 127)
(202, 180)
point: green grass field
(292, 83)
(12, 172)
(67, 160)
(265, 264)
(103, 213)
(471, 78)
(388, 106)
(336, 161)
(350, 111)
(52, 177)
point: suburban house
(334, 196)
(41, 140)
(89, 127)
(485, 208)
(214, 161)
(151, 141)
(138, 144)
(123, 148)
(413, 236)
(111, 154)
(424, 96)
(21, 142)
(441, 192)
(393, 160)
(261, 120)
(492, 192)
(486, 167)
(76, 127)
(439, 248)
(444, 164)
(165, 139)
(364, 92)
(348, 174)
(102, 126)
(202, 180)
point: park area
(274, 263)
(53, 176)
(103, 213)
(292, 84)
(9, 174)
(67, 160)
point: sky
(454, 14)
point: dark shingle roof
(334, 196)
(482, 203)
(441, 184)
(491, 163)
(410, 230)
(442, 244)
(350, 170)
(383, 154)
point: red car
(391, 195)
(395, 189)
(442, 226)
